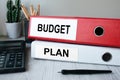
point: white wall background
(83, 8)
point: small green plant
(13, 11)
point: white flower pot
(13, 30)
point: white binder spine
(75, 53)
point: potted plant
(13, 24)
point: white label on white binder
(56, 53)
(53, 28)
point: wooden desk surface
(48, 70)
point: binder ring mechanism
(106, 57)
(99, 31)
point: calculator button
(12, 55)
(3, 53)
(1, 62)
(10, 64)
(11, 59)
(19, 55)
(18, 63)
(19, 58)
(1, 66)
(2, 59)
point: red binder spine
(90, 31)
(104, 32)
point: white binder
(75, 53)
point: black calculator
(12, 56)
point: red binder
(78, 30)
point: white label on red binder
(53, 28)
(56, 53)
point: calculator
(12, 56)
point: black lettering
(39, 27)
(46, 50)
(62, 29)
(51, 52)
(59, 53)
(65, 53)
(57, 30)
(51, 28)
(67, 28)
(45, 28)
